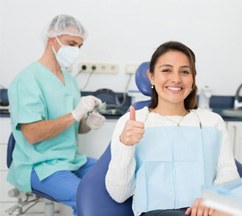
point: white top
(120, 177)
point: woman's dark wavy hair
(190, 101)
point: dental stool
(26, 200)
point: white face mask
(66, 55)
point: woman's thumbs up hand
(132, 113)
(133, 130)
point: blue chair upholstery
(143, 84)
(92, 196)
(10, 148)
(141, 79)
(239, 167)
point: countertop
(117, 103)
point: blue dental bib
(172, 165)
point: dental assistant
(47, 113)
(164, 154)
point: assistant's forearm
(46, 129)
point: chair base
(25, 201)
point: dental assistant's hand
(133, 130)
(85, 105)
(198, 209)
(95, 120)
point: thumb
(97, 101)
(188, 211)
(132, 113)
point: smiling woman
(172, 78)
(173, 67)
(163, 154)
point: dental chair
(92, 196)
(239, 167)
(25, 201)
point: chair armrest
(92, 196)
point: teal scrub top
(37, 94)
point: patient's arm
(120, 177)
(226, 168)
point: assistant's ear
(52, 41)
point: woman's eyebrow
(165, 65)
(169, 65)
(185, 66)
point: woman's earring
(152, 86)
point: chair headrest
(141, 79)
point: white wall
(128, 31)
